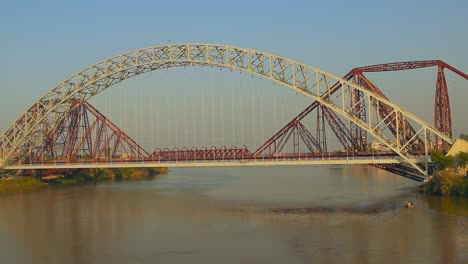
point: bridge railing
(212, 155)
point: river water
(237, 215)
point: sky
(43, 42)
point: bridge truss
(350, 98)
(353, 137)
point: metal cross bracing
(370, 113)
(213, 153)
(86, 138)
(277, 142)
(355, 138)
(84, 134)
(442, 112)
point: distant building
(127, 155)
(460, 145)
(379, 146)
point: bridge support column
(442, 114)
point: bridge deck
(214, 163)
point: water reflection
(269, 215)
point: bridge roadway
(277, 161)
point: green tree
(441, 161)
(448, 183)
(462, 159)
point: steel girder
(203, 153)
(442, 113)
(406, 131)
(305, 79)
(276, 143)
(77, 138)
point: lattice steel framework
(48, 111)
(203, 153)
(442, 112)
(85, 135)
(354, 138)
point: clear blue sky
(42, 42)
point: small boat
(409, 204)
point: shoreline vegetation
(30, 182)
(450, 177)
(448, 182)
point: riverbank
(20, 184)
(447, 182)
(82, 176)
(16, 184)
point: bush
(447, 182)
(441, 161)
(462, 159)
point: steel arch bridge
(367, 109)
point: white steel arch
(32, 126)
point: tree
(441, 161)
(462, 159)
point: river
(237, 215)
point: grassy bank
(81, 176)
(447, 182)
(9, 184)
(20, 184)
